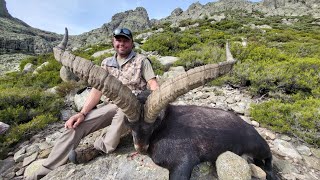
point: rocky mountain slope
(136, 20)
(267, 7)
(17, 36)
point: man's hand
(74, 121)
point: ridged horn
(63, 43)
(100, 79)
(175, 87)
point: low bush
(199, 55)
(24, 104)
(21, 105)
(24, 131)
(300, 118)
(158, 68)
(170, 44)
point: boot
(83, 155)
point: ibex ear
(143, 96)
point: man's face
(122, 46)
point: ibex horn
(173, 88)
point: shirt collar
(114, 63)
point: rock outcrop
(267, 7)
(3, 10)
(18, 37)
(290, 7)
(136, 20)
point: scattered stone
(257, 172)
(231, 166)
(51, 138)
(100, 53)
(285, 138)
(52, 90)
(9, 175)
(67, 76)
(66, 114)
(20, 172)
(44, 145)
(168, 60)
(286, 148)
(36, 71)
(33, 167)
(3, 127)
(239, 108)
(255, 123)
(44, 153)
(29, 159)
(28, 68)
(6, 164)
(32, 149)
(284, 166)
(312, 162)
(304, 150)
(18, 156)
(315, 152)
(270, 135)
(246, 119)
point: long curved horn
(100, 79)
(63, 43)
(183, 83)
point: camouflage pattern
(130, 73)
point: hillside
(138, 19)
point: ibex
(175, 137)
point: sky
(84, 15)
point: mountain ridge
(19, 37)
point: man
(133, 70)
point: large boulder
(136, 20)
(3, 127)
(67, 76)
(3, 9)
(231, 166)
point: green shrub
(291, 77)
(47, 77)
(158, 68)
(227, 24)
(14, 115)
(186, 22)
(199, 55)
(169, 43)
(24, 131)
(300, 118)
(88, 51)
(65, 88)
(21, 105)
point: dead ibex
(176, 137)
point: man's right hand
(74, 121)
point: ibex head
(122, 96)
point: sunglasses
(122, 31)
